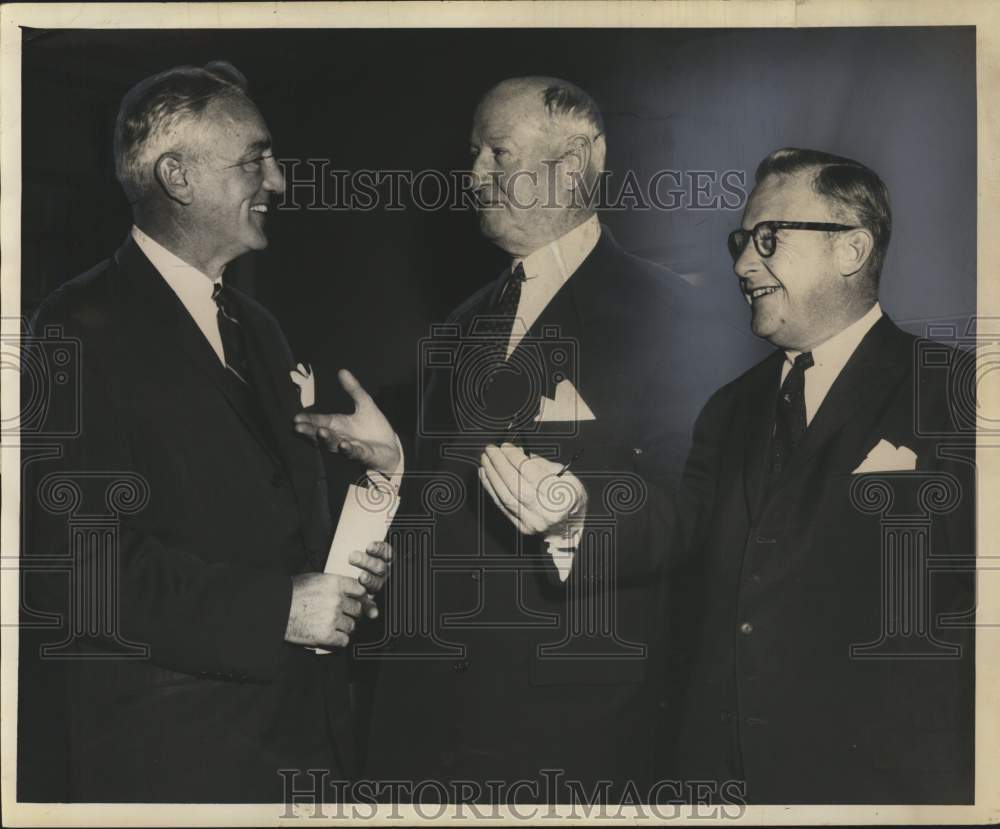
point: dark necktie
(231, 333)
(790, 416)
(504, 310)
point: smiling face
(521, 207)
(235, 177)
(798, 295)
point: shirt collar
(186, 280)
(834, 353)
(559, 259)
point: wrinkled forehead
(788, 198)
(518, 113)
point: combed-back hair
(153, 112)
(853, 186)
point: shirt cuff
(394, 478)
(562, 545)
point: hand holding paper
(324, 609)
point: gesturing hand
(364, 436)
(529, 491)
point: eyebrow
(258, 146)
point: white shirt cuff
(562, 546)
(394, 478)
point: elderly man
(196, 685)
(557, 413)
(834, 665)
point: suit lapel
(158, 303)
(870, 376)
(868, 379)
(761, 400)
(270, 364)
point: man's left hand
(530, 491)
(374, 563)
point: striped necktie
(231, 332)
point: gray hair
(567, 103)
(155, 110)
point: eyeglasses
(765, 235)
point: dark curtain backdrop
(360, 288)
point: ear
(854, 248)
(174, 177)
(575, 160)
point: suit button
(746, 628)
(461, 666)
(755, 578)
(763, 539)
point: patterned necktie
(232, 335)
(505, 309)
(790, 416)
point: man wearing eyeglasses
(827, 670)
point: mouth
(259, 208)
(753, 294)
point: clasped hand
(530, 490)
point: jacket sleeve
(122, 588)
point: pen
(575, 457)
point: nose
(748, 262)
(481, 168)
(274, 178)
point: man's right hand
(324, 610)
(364, 436)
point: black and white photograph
(477, 411)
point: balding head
(535, 142)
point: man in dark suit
(830, 497)
(184, 524)
(523, 636)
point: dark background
(359, 288)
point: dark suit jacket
(835, 664)
(186, 692)
(491, 667)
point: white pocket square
(303, 377)
(886, 457)
(566, 405)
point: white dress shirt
(545, 272)
(193, 288)
(829, 359)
